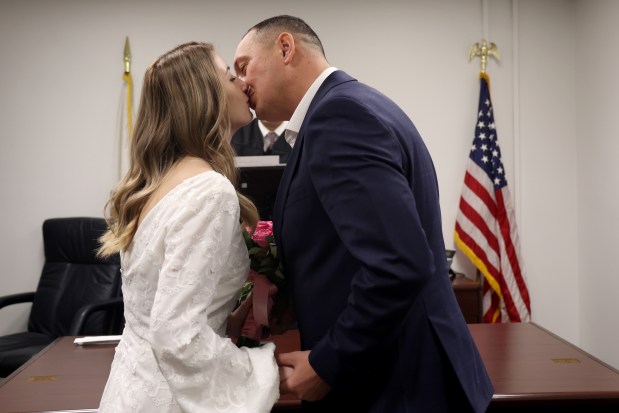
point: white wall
(548, 162)
(597, 107)
(60, 88)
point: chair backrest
(73, 276)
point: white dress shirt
(299, 113)
(265, 131)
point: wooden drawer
(468, 294)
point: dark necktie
(271, 138)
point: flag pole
(129, 81)
(126, 115)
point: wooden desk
(64, 376)
(532, 370)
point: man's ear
(286, 45)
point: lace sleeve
(205, 372)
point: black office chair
(74, 289)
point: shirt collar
(299, 113)
(279, 130)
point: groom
(358, 227)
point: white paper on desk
(91, 340)
(73, 411)
(259, 160)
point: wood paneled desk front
(532, 371)
(468, 294)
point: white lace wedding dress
(181, 277)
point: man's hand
(299, 378)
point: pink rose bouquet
(263, 253)
(264, 280)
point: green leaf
(255, 251)
(245, 290)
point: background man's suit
(249, 141)
(358, 227)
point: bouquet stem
(244, 341)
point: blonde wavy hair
(183, 112)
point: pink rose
(263, 229)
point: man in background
(257, 138)
(260, 137)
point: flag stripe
(483, 192)
(471, 209)
(511, 240)
(481, 235)
(491, 302)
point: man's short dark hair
(291, 24)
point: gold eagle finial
(483, 51)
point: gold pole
(127, 56)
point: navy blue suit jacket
(358, 227)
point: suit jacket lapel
(334, 79)
(282, 190)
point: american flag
(486, 226)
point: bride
(176, 219)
